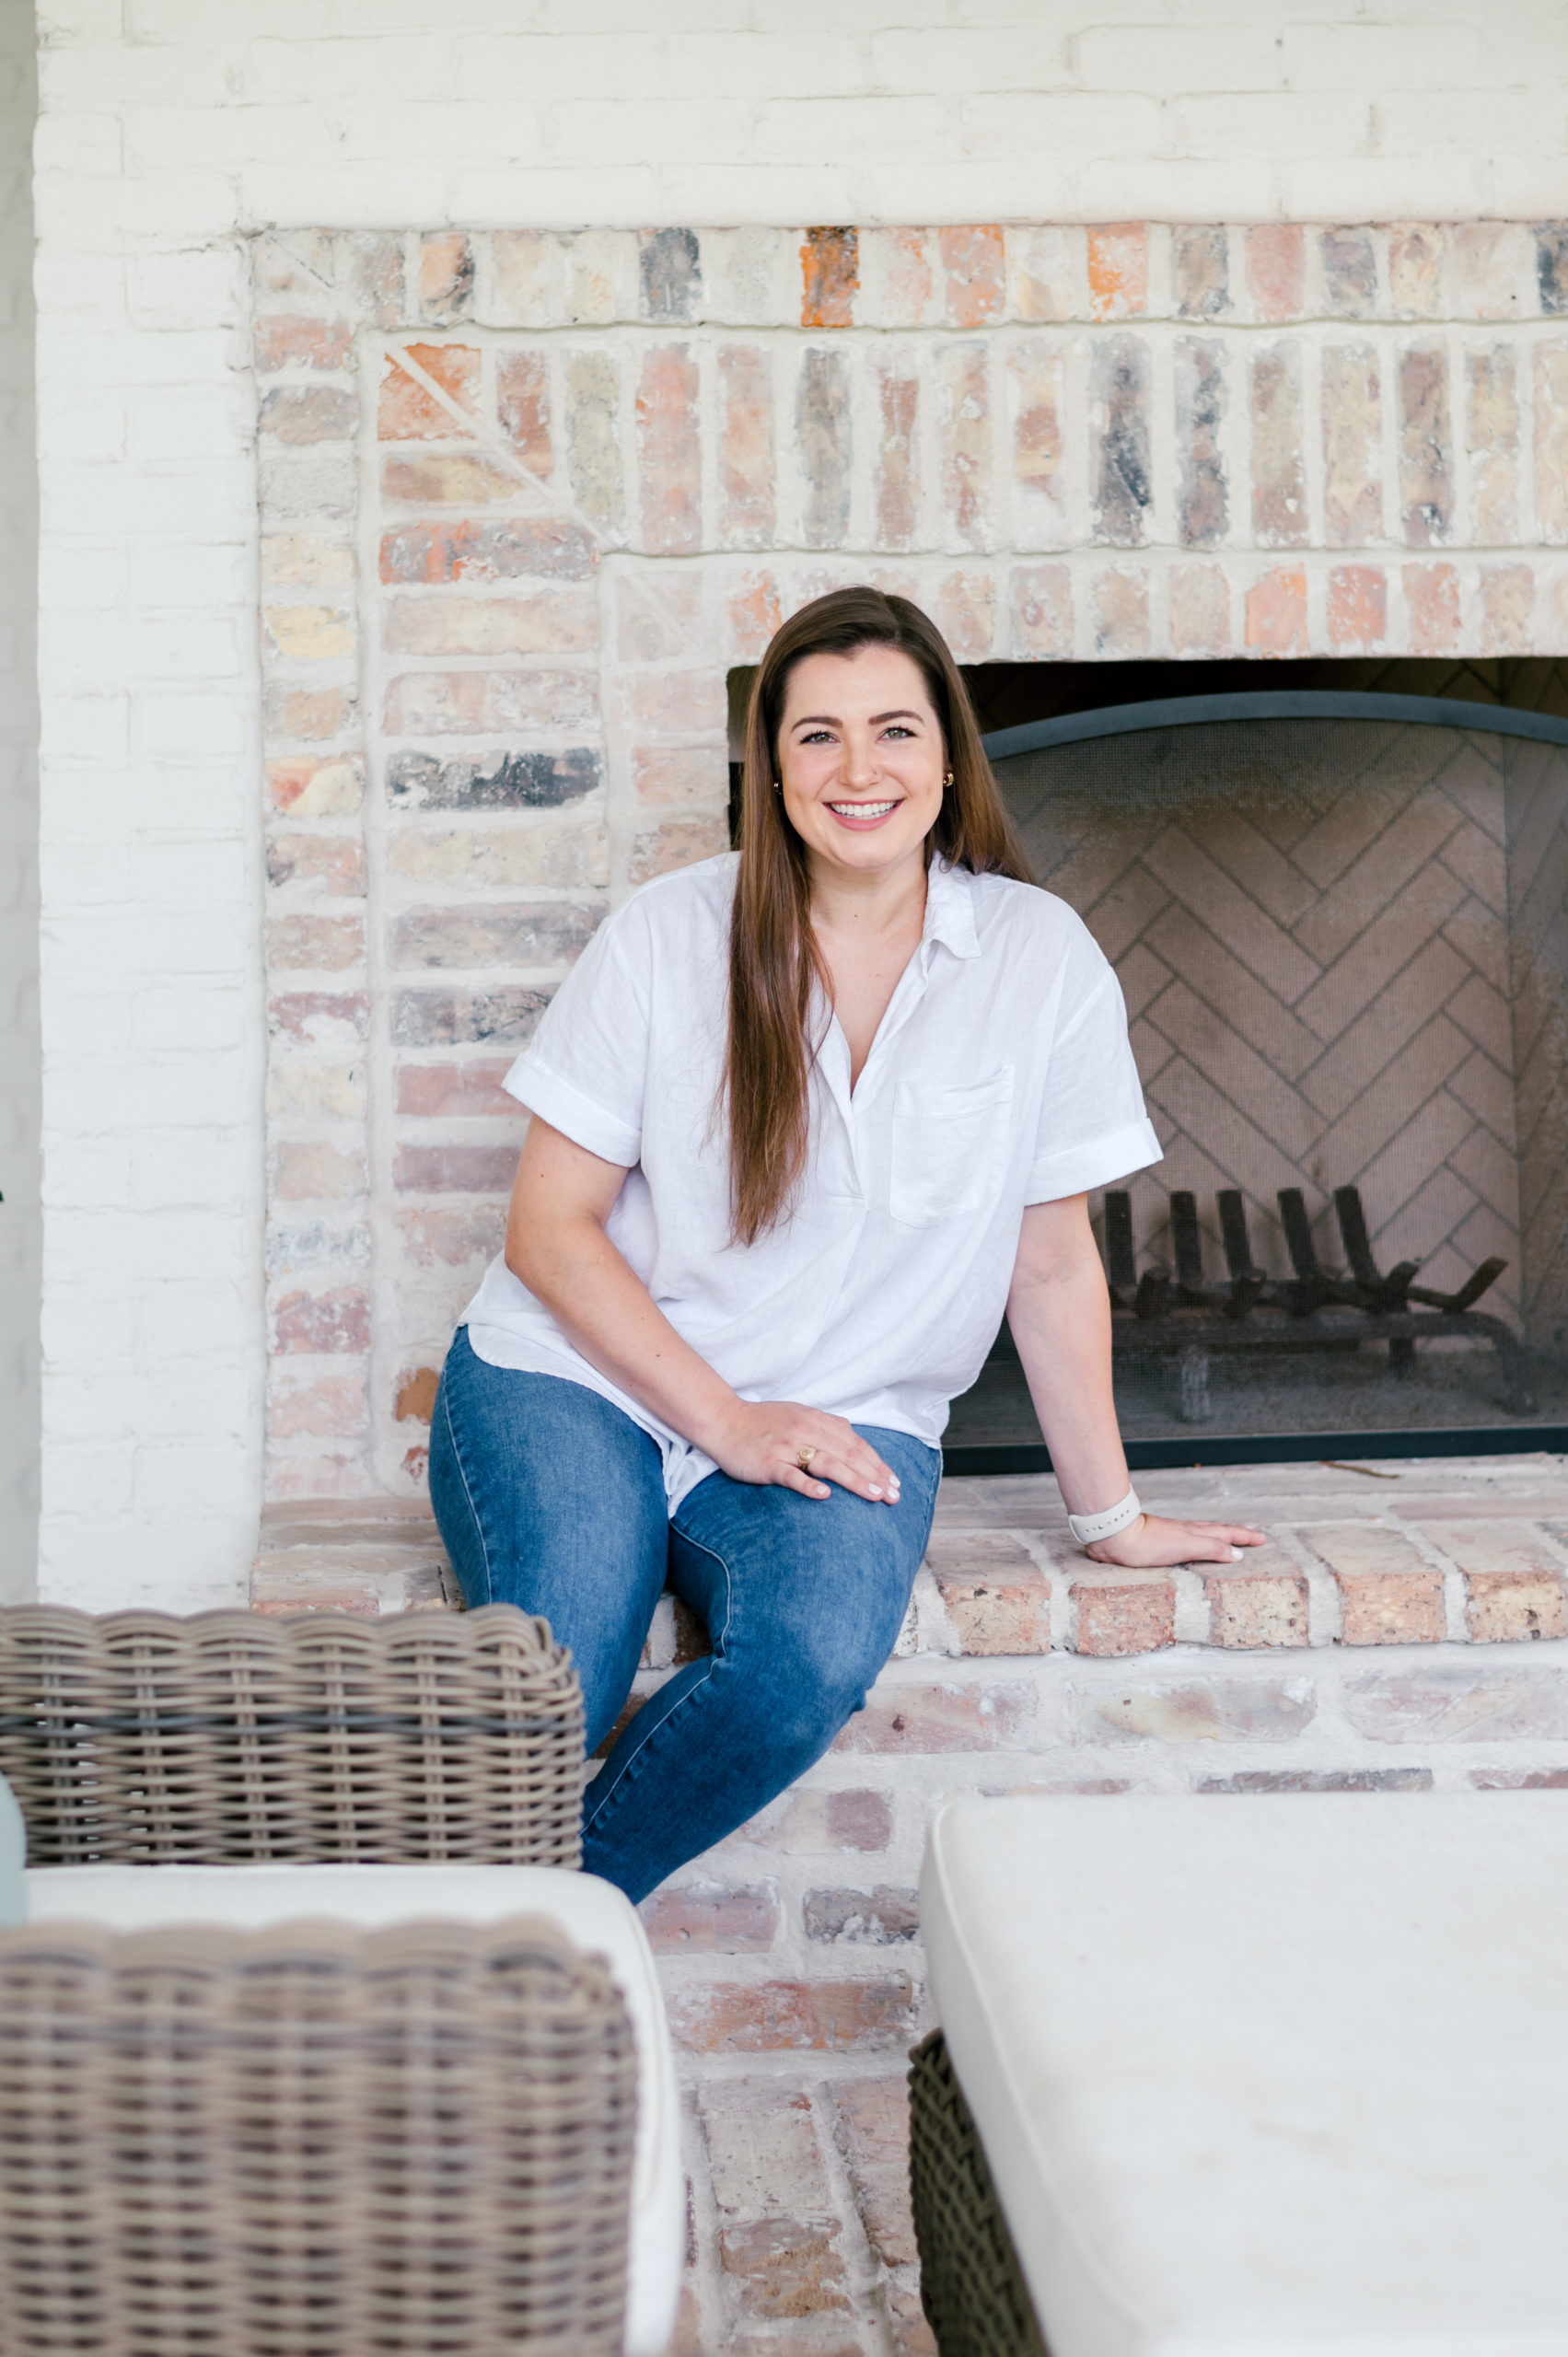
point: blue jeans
(551, 1498)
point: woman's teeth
(862, 810)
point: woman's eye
(898, 729)
(817, 737)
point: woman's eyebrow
(831, 720)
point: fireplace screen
(1341, 924)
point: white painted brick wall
(170, 126)
(21, 1084)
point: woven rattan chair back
(140, 1738)
(312, 2143)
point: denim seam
(698, 1686)
(468, 1493)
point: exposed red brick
(671, 461)
(1520, 1779)
(829, 273)
(752, 613)
(303, 413)
(466, 703)
(1432, 599)
(1426, 486)
(811, 1822)
(319, 1407)
(975, 263)
(692, 1920)
(462, 1239)
(323, 1323)
(414, 1402)
(312, 786)
(335, 861)
(445, 282)
(310, 716)
(1276, 612)
(784, 2267)
(1123, 1613)
(942, 1718)
(665, 780)
(1511, 1607)
(1043, 613)
(964, 433)
(897, 406)
(746, 515)
(522, 383)
(1119, 269)
(1256, 1612)
(406, 412)
(321, 1018)
(446, 479)
(995, 1594)
(435, 1092)
(1277, 256)
(287, 341)
(453, 1169)
(1199, 609)
(1036, 371)
(1358, 607)
(779, 2016)
(323, 944)
(1392, 1607)
(1122, 614)
(963, 610)
(1508, 606)
(553, 546)
(1279, 482)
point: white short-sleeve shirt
(1001, 1076)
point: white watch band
(1087, 1527)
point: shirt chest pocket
(950, 1147)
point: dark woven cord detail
(970, 2283)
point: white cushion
(593, 1914)
(1268, 2076)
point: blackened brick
(441, 1018)
(503, 781)
(1121, 395)
(670, 273)
(823, 427)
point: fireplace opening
(1338, 907)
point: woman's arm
(1060, 1314)
(556, 1245)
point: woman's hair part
(773, 958)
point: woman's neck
(869, 905)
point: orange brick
(781, 2017)
(1276, 256)
(1119, 269)
(414, 1401)
(406, 412)
(994, 1593)
(1276, 612)
(1392, 1607)
(830, 270)
(522, 392)
(753, 615)
(666, 437)
(1504, 1607)
(302, 342)
(1431, 596)
(315, 788)
(1256, 1612)
(1125, 1613)
(975, 263)
(1358, 606)
(445, 276)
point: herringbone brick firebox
(528, 498)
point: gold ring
(803, 1458)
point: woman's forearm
(1061, 1324)
(604, 1307)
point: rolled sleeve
(1093, 1162)
(1093, 1128)
(584, 1070)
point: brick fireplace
(528, 498)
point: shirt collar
(950, 910)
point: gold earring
(778, 787)
(947, 781)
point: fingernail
(876, 1494)
(1236, 1554)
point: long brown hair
(773, 957)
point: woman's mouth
(864, 813)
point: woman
(805, 1119)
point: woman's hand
(1152, 1542)
(760, 1440)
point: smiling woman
(763, 1235)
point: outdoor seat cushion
(592, 1914)
(1268, 2077)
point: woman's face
(860, 758)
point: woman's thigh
(551, 1498)
(804, 1598)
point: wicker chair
(253, 2136)
(139, 1738)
